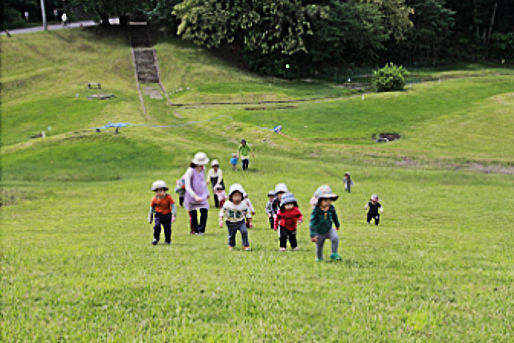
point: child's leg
(232, 229)
(368, 218)
(271, 222)
(377, 219)
(193, 216)
(244, 234)
(166, 223)
(181, 201)
(216, 201)
(157, 227)
(203, 220)
(335, 240)
(319, 246)
(292, 239)
(283, 237)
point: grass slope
(75, 255)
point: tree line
(327, 36)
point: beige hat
(215, 163)
(200, 159)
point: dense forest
(317, 37)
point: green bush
(390, 78)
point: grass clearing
(76, 259)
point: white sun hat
(159, 184)
(200, 159)
(215, 163)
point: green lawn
(76, 259)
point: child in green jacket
(322, 217)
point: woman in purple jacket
(197, 193)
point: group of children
(282, 209)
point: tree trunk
(105, 19)
(491, 23)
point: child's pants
(372, 216)
(232, 230)
(332, 235)
(244, 163)
(195, 227)
(181, 200)
(165, 221)
(271, 223)
(284, 235)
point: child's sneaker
(247, 248)
(230, 248)
(154, 242)
(296, 249)
(319, 259)
(335, 257)
(167, 243)
(282, 249)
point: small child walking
(280, 190)
(180, 189)
(165, 211)
(233, 161)
(373, 207)
(348, 182)
(269, 209)
(322, 217)
(286, 221)
(235, 211)
(220, 194)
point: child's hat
(159, 184)
(200, 159)
(325, 192)
(215, 163)
(347, 173)
(281, 188)
(219, 186)
(271, 193)
(288, 198)
(374, 197)
(236, 187)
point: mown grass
(76, 259)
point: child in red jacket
(286, 220)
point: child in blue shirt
(233, 161)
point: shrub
(389, 78)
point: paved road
(52, 27)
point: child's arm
(366, 206)
(336, 220)
(312, 225)
(276, 220)
(250, 219)
(173, 212)
(381, 208)
(300, 217)
(150, 214)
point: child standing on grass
(348, 183)
(219, 192)
(269, 209)
(165, 211)
(322, 217)
(180, 189)
(215, 174)
(244, 152)
(233, 161)
(286, 221)
(373, 206)
(235, 211)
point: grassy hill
(77, 264)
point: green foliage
(502, 46)
(389, 78)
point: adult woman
(197, 193)
(216, 176)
